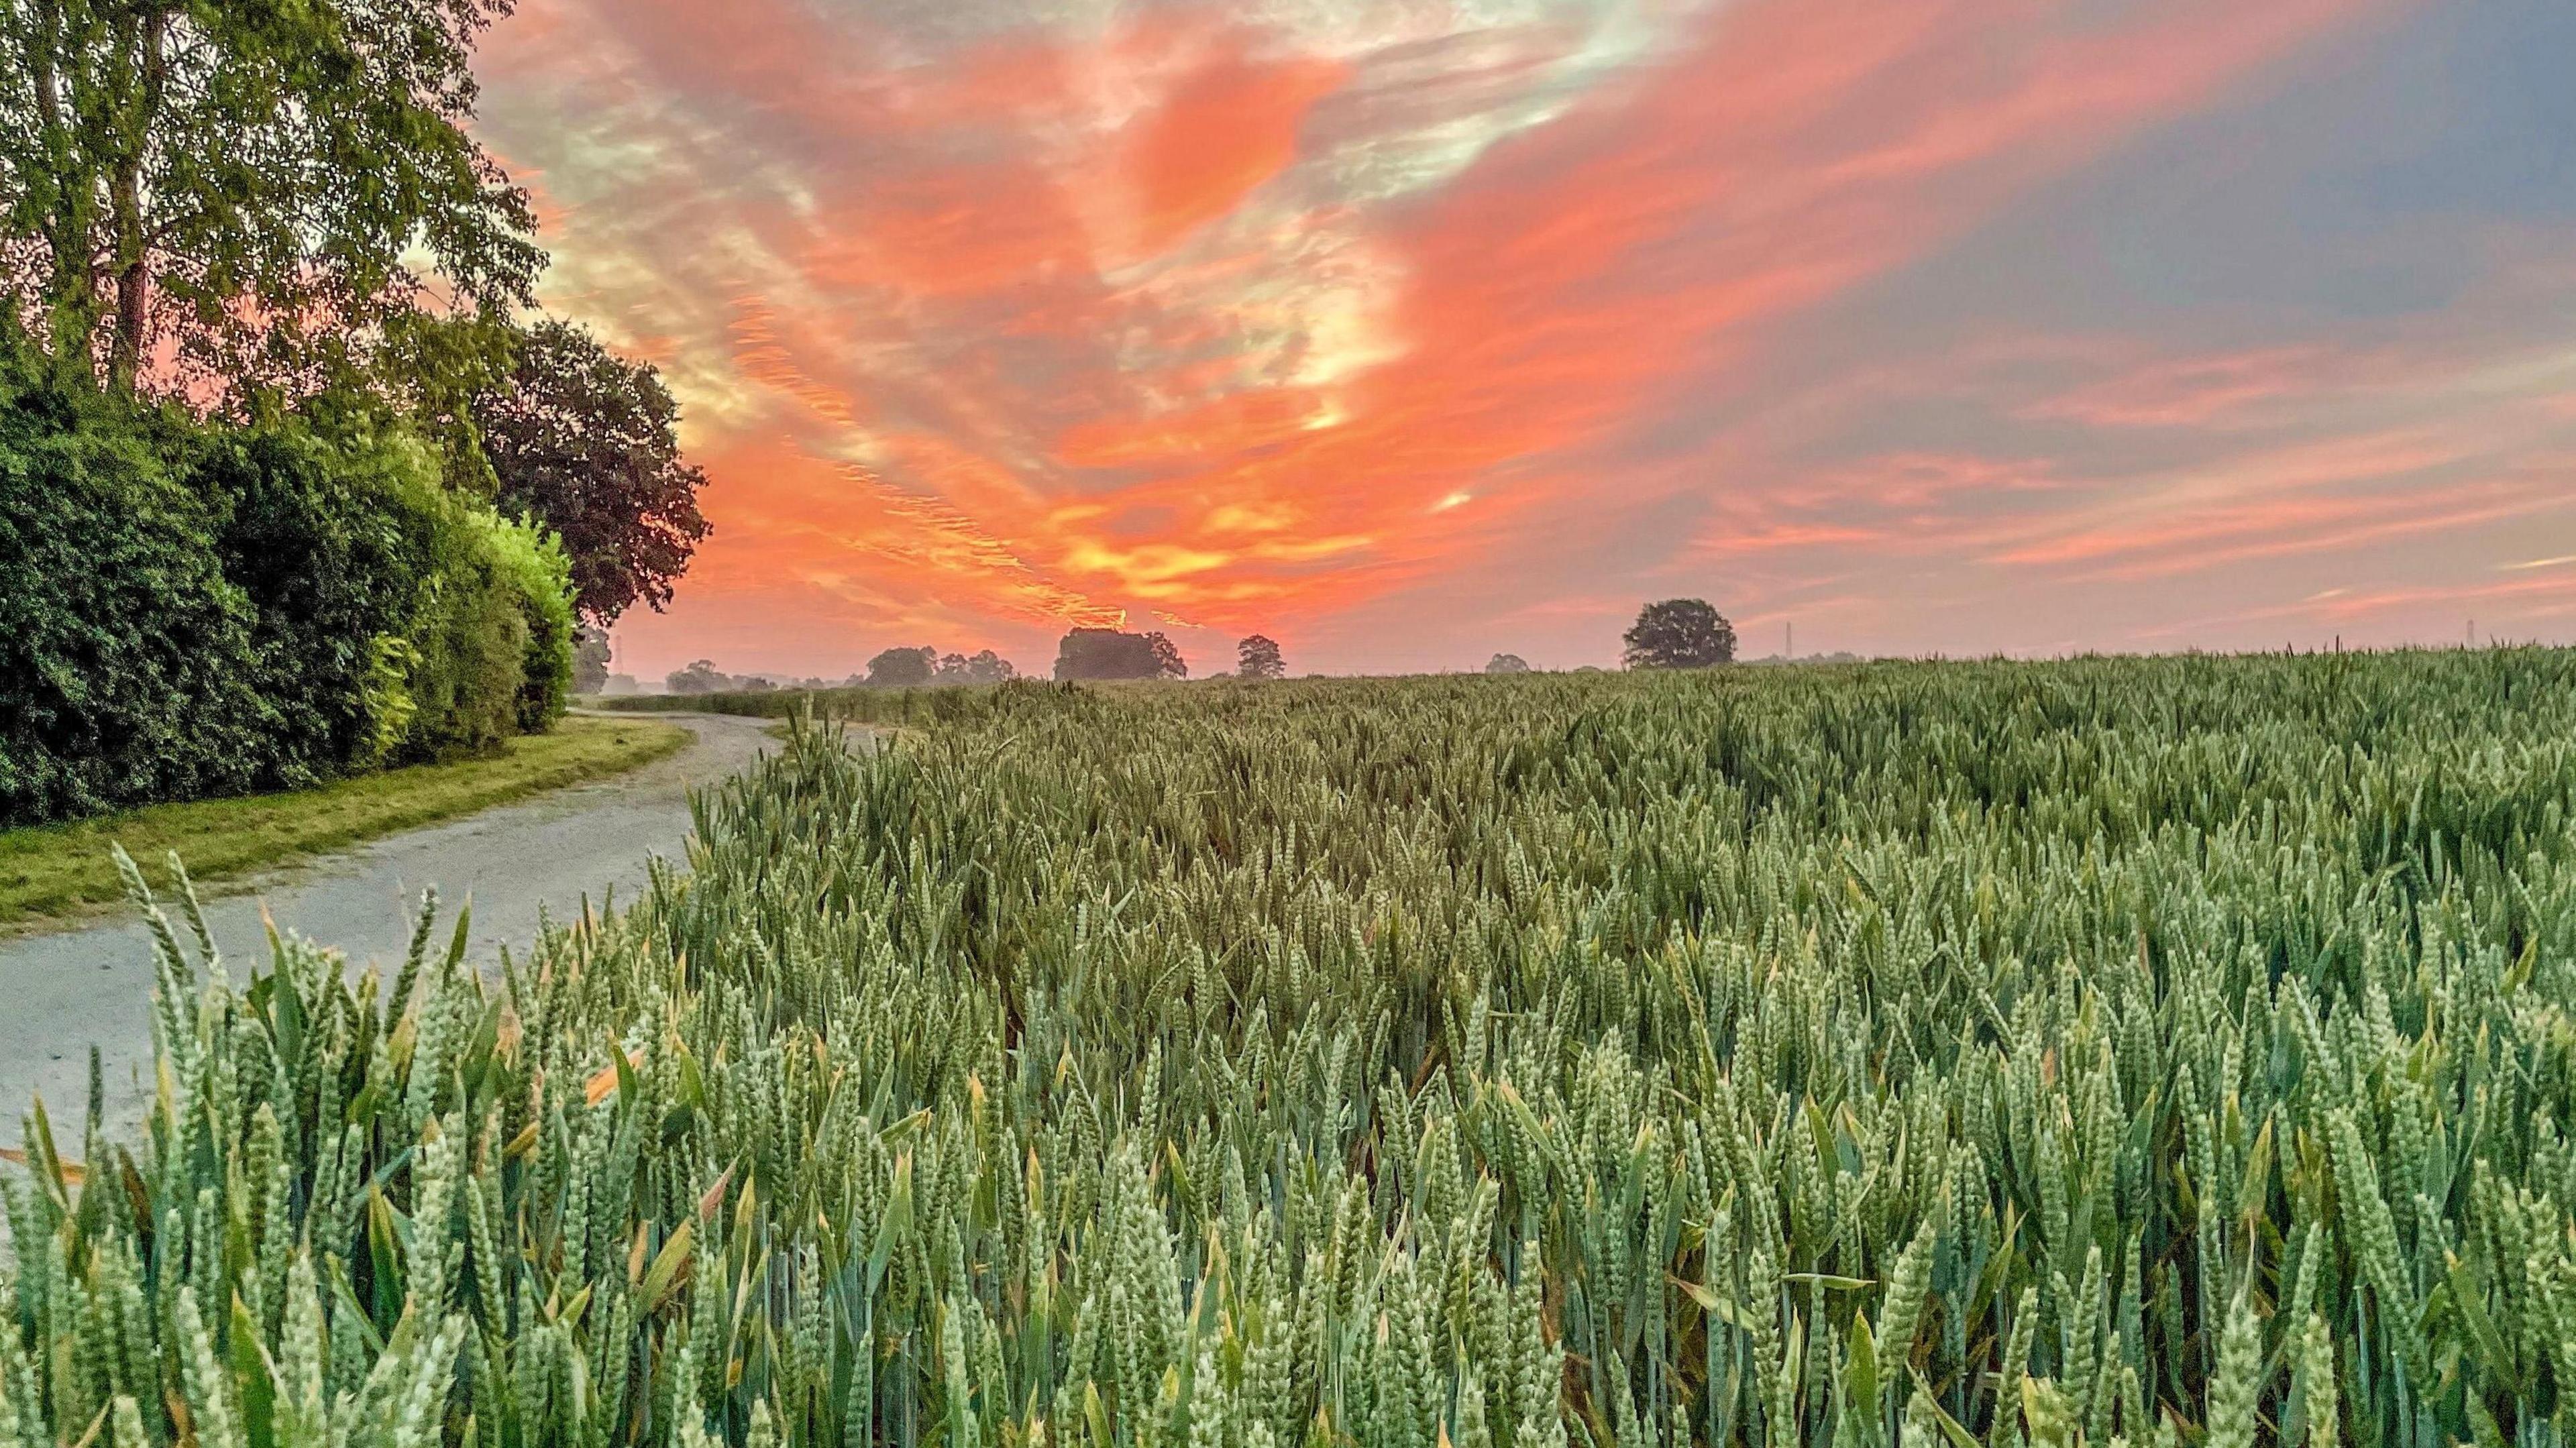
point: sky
(1410, 331)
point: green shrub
(129, 664)
(540, 574)
(398, 621)
(469, 645)
(334, 544)
(190, 609)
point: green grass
(61, 870)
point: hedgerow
(191, 609)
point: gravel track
(92, 983)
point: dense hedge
(128, 662)
(191, 610)
(327, 544)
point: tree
(590, 662)
(1679, 633)
(1258, 658)
(1168, 663)
(247, 183)
(1507, 664)
(986, 667)
(699, 677)
(1106, 653)
(587, 443)
(901, 667)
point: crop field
(2151, 1051)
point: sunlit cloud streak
(1405, 334)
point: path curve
(62, 991)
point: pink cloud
(1059, 322)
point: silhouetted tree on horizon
(1679, 633)
(1108, 654)
(1507, 664)
(700, 677)
(1258, 657)
(986, 667)
(897, 668)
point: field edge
(53, 876)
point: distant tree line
(293, 482)
(1677, 633)
(916, 666)
(892, 668)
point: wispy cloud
(1368, 324)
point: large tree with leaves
(1679, 633)
(587, 443)
(241, 190)
(1258, 657)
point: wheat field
(1956, 1056)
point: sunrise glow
(1409, 333)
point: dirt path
(60, 992)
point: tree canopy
(1507, 664)
(586, 442)
(986, 667)
(1107, 653)
(1679, 633)
(244, 187)
(899, 667)
(1258, 658)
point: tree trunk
(133, 255)
(71, 288)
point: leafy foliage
(586, 443)
(334, 547)
(2168, 1051)
(540, 582)
(590, 659)
(1507, 664)
(1678, 633)
(255, 199)
(490, 652)
(1258, 658)
(242, 182)
(898, 667)
(985, 667)
(189, 611)
(128, 661)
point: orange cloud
(1245, 325)
(1230, 126)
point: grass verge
(55, 871)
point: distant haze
(1408, 333)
